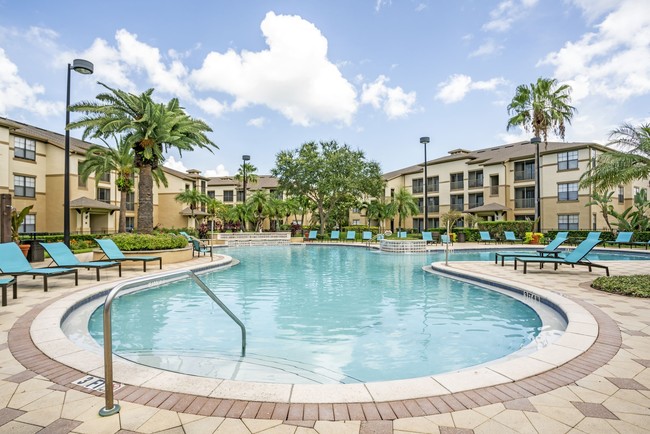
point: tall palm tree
(380, 211)
(404, 205)
(631, 161)
(541, 107)
(149, 128)
(251, 175)
(258, 203)
(192, 198)
(216, 210)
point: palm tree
(251, 176)
(258, 203)
(149, 128)
(541, 107)
(404, 205)
(380, 211)
(630, 162)
(602, 201)
(193, 198)
(216, 210)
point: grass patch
(635, 286)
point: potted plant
(17, 219)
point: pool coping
(589, 345)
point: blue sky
(374, 74)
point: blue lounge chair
(444, 239)
(14, 263)
(428, 237)
(366, 236)
(113, 253)
(576, 257)
(334, 235)
(510, 237)
(198, 247)
(312, 236)
(4, 282)
(486, 237)
(351, 236)
(622, 238)
(62, 256)
(186, 235)
(401, 234)
(550, 249)
(380, 237)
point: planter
(24, 248)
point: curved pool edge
(49, 339)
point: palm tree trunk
(145, 200)
(121, 225)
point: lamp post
(424, 141)
(538, 215)
(245, 158)
(83, 67)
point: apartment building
(498, 183)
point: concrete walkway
(614, 396)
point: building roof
(263, 181)
(56, 139)
(490, 207)
(85, 202)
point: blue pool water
(321, 315)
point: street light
(424, 141)
(538, 214)
(245, 158)
(82, 67)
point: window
(525, 217)
(475, 199)
(203, 184)
(434, 222)
(24, 148)
(524, 170)
(356, 210)
(494, 185)
(433, 204)
(356, 222)
(227, 196)
(24, 186)
(240, 195)
(621, 195)
(568, 222)
(80, 182)
(130, 201)
(637, 190)
(417, 186)
(475, 179)
(418, 224)
(211, 194)
(106, 177)
(456, 180)
(568, 191)
(456, 201)
(567, 160)
(433, 184)
(28, 225)
(525, 197)
(130, 223)
(104, 194)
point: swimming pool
(325, 315)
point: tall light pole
(83, 67)
(538, 208)
(424, 141)
(245, 158)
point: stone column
(5, 218)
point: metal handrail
(110, 407)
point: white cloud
(459, 85)
(593, 9)
(381, 3)
(393, 101)
(257, 122)
(613, 61)
(219, 171)
(109, 67)
(212, 106)
(173, 164)
(420, 7)
(16, 93)
(506, 13)
(519, 136)
(294, 76)
(487, 48)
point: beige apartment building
(498, 183)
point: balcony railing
(494, 190)
(417, 189)
(471, 205)
(433, 188)
(434, 208)
(457, 207)
(524, 175)
(457, 185)
(475, 183)
(525, 203)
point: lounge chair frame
(4, 283)
(576, 257)
(113, 253)
(63, 257)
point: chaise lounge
(549, 250)
(113, 253)
(62, 256)
(576, 257)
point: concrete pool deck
(604, 390)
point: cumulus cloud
(16, 93)
(257, 122)
(459, 85)
(487, 48)
(393, 101)
(293, 76)
(173, 164)
(212, 106)
(381, 3)
(507, 13)
(593, 9)
(219, 171)
(613, 61)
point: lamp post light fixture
(82, 67)
(245, 158)
(538, 209)
(424, 141)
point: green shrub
(635, 286)
(162, 241)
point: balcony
(494, 190)
(456, 185)
(457, 207)
(471, 205)
(525, 203)
(475, 183)
(417, 189)
(525, 175)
